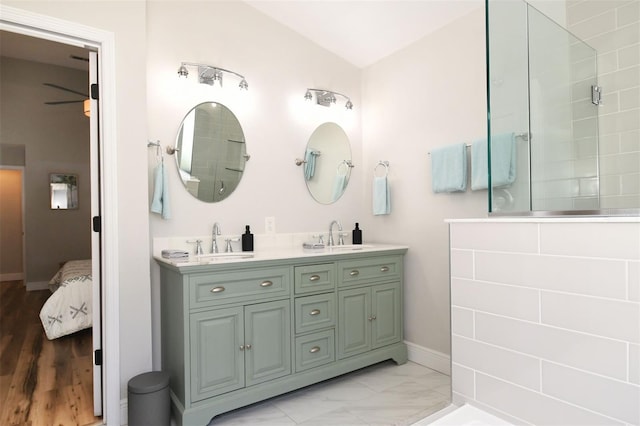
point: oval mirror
(210, 152)
(327, 163)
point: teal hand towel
(310, 164)
(449, 168)
(381, 196)
(339, 184)
(160, 201)
(503, 162)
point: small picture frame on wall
(64, 191)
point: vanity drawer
(315, 349)
(372, 269)
(313, 278)
(227, 287)
(315, 312)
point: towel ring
(347, 166)
(384, 164)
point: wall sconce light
(208, 74)
(326, 97)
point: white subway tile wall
(549, 335)
(612, 27)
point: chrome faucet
(214, 242)
(340, 240)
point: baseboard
(15, 276)
(37, 285)
(124, 413)
(429, 358)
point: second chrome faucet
(214, 240)
(331, 242)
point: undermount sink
(347, 247)
(224, 256)
(205, 259)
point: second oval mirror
(210, 152)
(327, 165)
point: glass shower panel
(508, 95)
(563, 120)
(540, 79)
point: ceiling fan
(85, 101)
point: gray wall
(56, 140)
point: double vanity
(239, 328)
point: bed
(69, 308)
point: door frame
(67, 32)
(21, 169)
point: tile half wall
(545, 318)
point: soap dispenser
(356, 235)
(247, 240)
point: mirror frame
(63, 188)
(219, 192)
(330, 183)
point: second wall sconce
(326, 97)
(208, 74)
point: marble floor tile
(384, 394)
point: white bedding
(69, 308)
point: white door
(96, 240)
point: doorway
(60, 381)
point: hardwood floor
(42, 382)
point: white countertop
(280, 253)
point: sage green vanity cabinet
(235, 333)
(369, 318)
(236, 347)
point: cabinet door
(386, 316)
(217, 360)
(354, 328)
(267, 341)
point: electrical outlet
(270, 225)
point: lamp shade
(87, 107)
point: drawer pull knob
(266, 283)
(314, 349)
(354, 273)
(217, 289)
(314, 277)
(315, 312)
(384, 269)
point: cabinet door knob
(374, 317)
(314, 312)
(266, 283)
(217, 289)
(314, 277)
(242, 347)
(354, 273)
(314, 349)
(384, 269)
(248, 346)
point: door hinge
(94, 91)
(97, 224)
(97, 357)
(596, 95)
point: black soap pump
(247, 240)
(356, 235)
